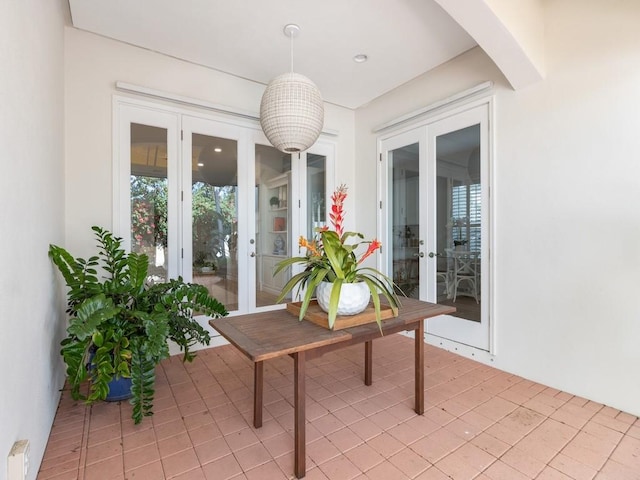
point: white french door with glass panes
(435, 186)
(213, 202)
(247, 187)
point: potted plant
(274, 202)
(202, 264)
(331, 265)
(120, 323)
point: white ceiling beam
(510, 32)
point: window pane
(273, 222)
(316, 188)
(459, 218)
(149, 196)
(405, 163)
(214, 216)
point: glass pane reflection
(149, 197)
(273, 222)
(459, 208)
(404, 163)
(214, 217)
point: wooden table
(261, 336)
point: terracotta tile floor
(480, 423)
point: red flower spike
(337, 212)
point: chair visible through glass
(464, 277)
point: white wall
(31, 217)
(567, 191)
(93, 65)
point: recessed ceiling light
(217, 149)
(360, 58)
(200, 164)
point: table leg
(419, 368)
(299, 414)
(368, 362)
(258, 371)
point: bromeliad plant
(120, 324)
(329, 258)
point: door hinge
(380, 204)
(381, 157)
(181, 134)
(299, 204)
(182, 253)
(182, 195)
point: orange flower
(373, 246)
(310, 246)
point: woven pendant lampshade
(291, 110)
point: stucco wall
(31, 217)
(566, 192)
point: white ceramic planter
(354, 297)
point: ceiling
(402, 38)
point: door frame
(405, 131)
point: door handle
(252, 254)
(421, 254)
(431, 254)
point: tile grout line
(519, 405)
(624, 434)
(85, 442)
(548, 463)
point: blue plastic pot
(119, 389)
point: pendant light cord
(291, 36)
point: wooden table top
(265, 335)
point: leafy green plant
(330, 258)
(120, 324)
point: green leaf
(97, 339)
(91, 313)
(288, 262)
(346, 235)
(315, 281)
(123, 369)
(138, 268)
(142, 384)
(74, 354)
(299, 278)
(334, 299)
(332, 251)
(376, 301)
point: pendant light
(291, 110)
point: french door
(214, 202)
(435, 186)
